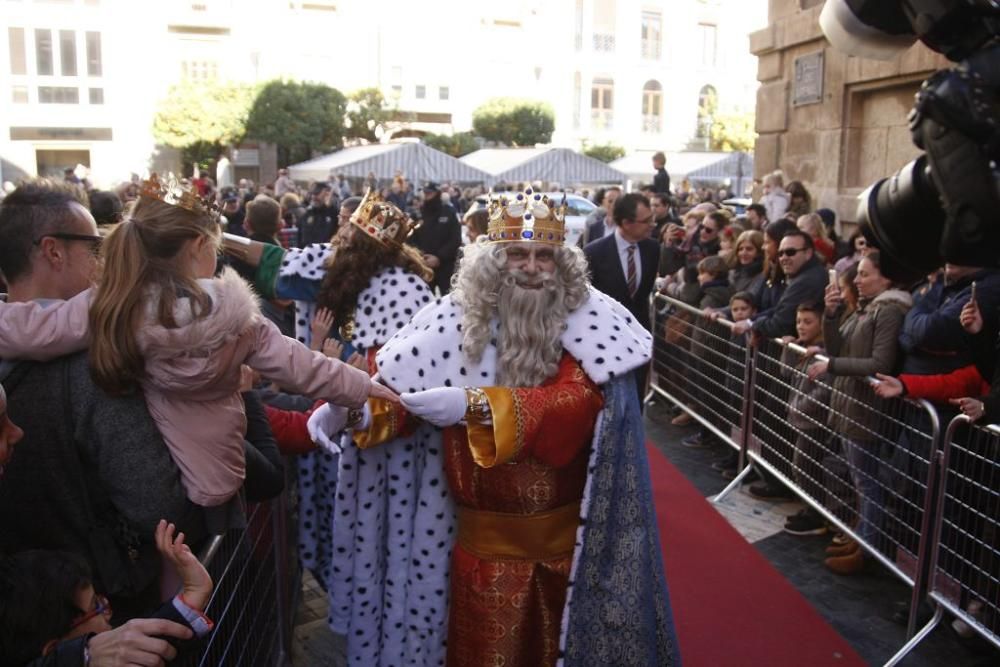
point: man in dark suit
(623, 264)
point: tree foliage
(298, 118)
(514, 122)
(604, 152)
(367, 110)
(733, 132)
(202, 113)
(455, 145)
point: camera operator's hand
(971, 318)
(832, 299)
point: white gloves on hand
(326, 423)
(443, 406)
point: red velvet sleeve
(289, 427)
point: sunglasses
(101, 607)
(94, 241)
(791, 252)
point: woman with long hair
(747, 264)
(858, 347)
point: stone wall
(855, 133)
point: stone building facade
(835, 122)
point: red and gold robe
(517, 483)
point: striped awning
(551, 165)
(417, 161)
(710, 166)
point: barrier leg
(718, 498)
(917, 638)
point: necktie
(630, 274)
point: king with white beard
(503, 514)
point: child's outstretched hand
(196, 586)
(320, 327)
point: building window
(708, 104)
(652, 106)
(396, 91)
(19, 94)
(604, 26)
(652, 35)
(58, 95)
(602, 104)
(200, 70)
(443, 93)
(709, 36)
(18, 62)
(96, 95)
(578, 26)
(421, 92)
(43, 52)
(94, 54)
(67, 52)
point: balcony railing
(601, 119)
(651, 49)
(604, 42)
(651, 123)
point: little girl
(160, 322)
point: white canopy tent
(418, 163)
(550, 165)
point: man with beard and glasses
(515, 466)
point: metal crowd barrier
(965, 560)
(701, 367)
(875, 468)
(251, 603)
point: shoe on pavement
(842, 549)
(765, 491)
(697, 441)
(846, 565)
(683, 419)
(805, 523)
(840, 539)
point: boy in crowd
(742, 306)
(808, 406)
(50, 613)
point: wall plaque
(807, 88)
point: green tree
(455, 145)
(300, 119)
(200, 118)
(367, 110)
(514, 122)
(604, 152)
(733, 132)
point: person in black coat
(438, 237)
(609, 262)
(661, 180)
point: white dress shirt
(623, 246)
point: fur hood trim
(235, 308)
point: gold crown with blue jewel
(382, 220)
(526, 217)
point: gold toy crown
(528, 217)
(175, 194)
(381, 220)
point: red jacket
(289, 427)
(959, 383)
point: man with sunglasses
(805, 283)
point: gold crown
(528, 217)
(381, 220)
(175, 194)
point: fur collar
(235, 308)
(427, 353)
(392, 298)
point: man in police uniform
(438, 237)
(319, 223)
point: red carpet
(731, 607)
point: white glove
(442, 406)
(325, 423)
